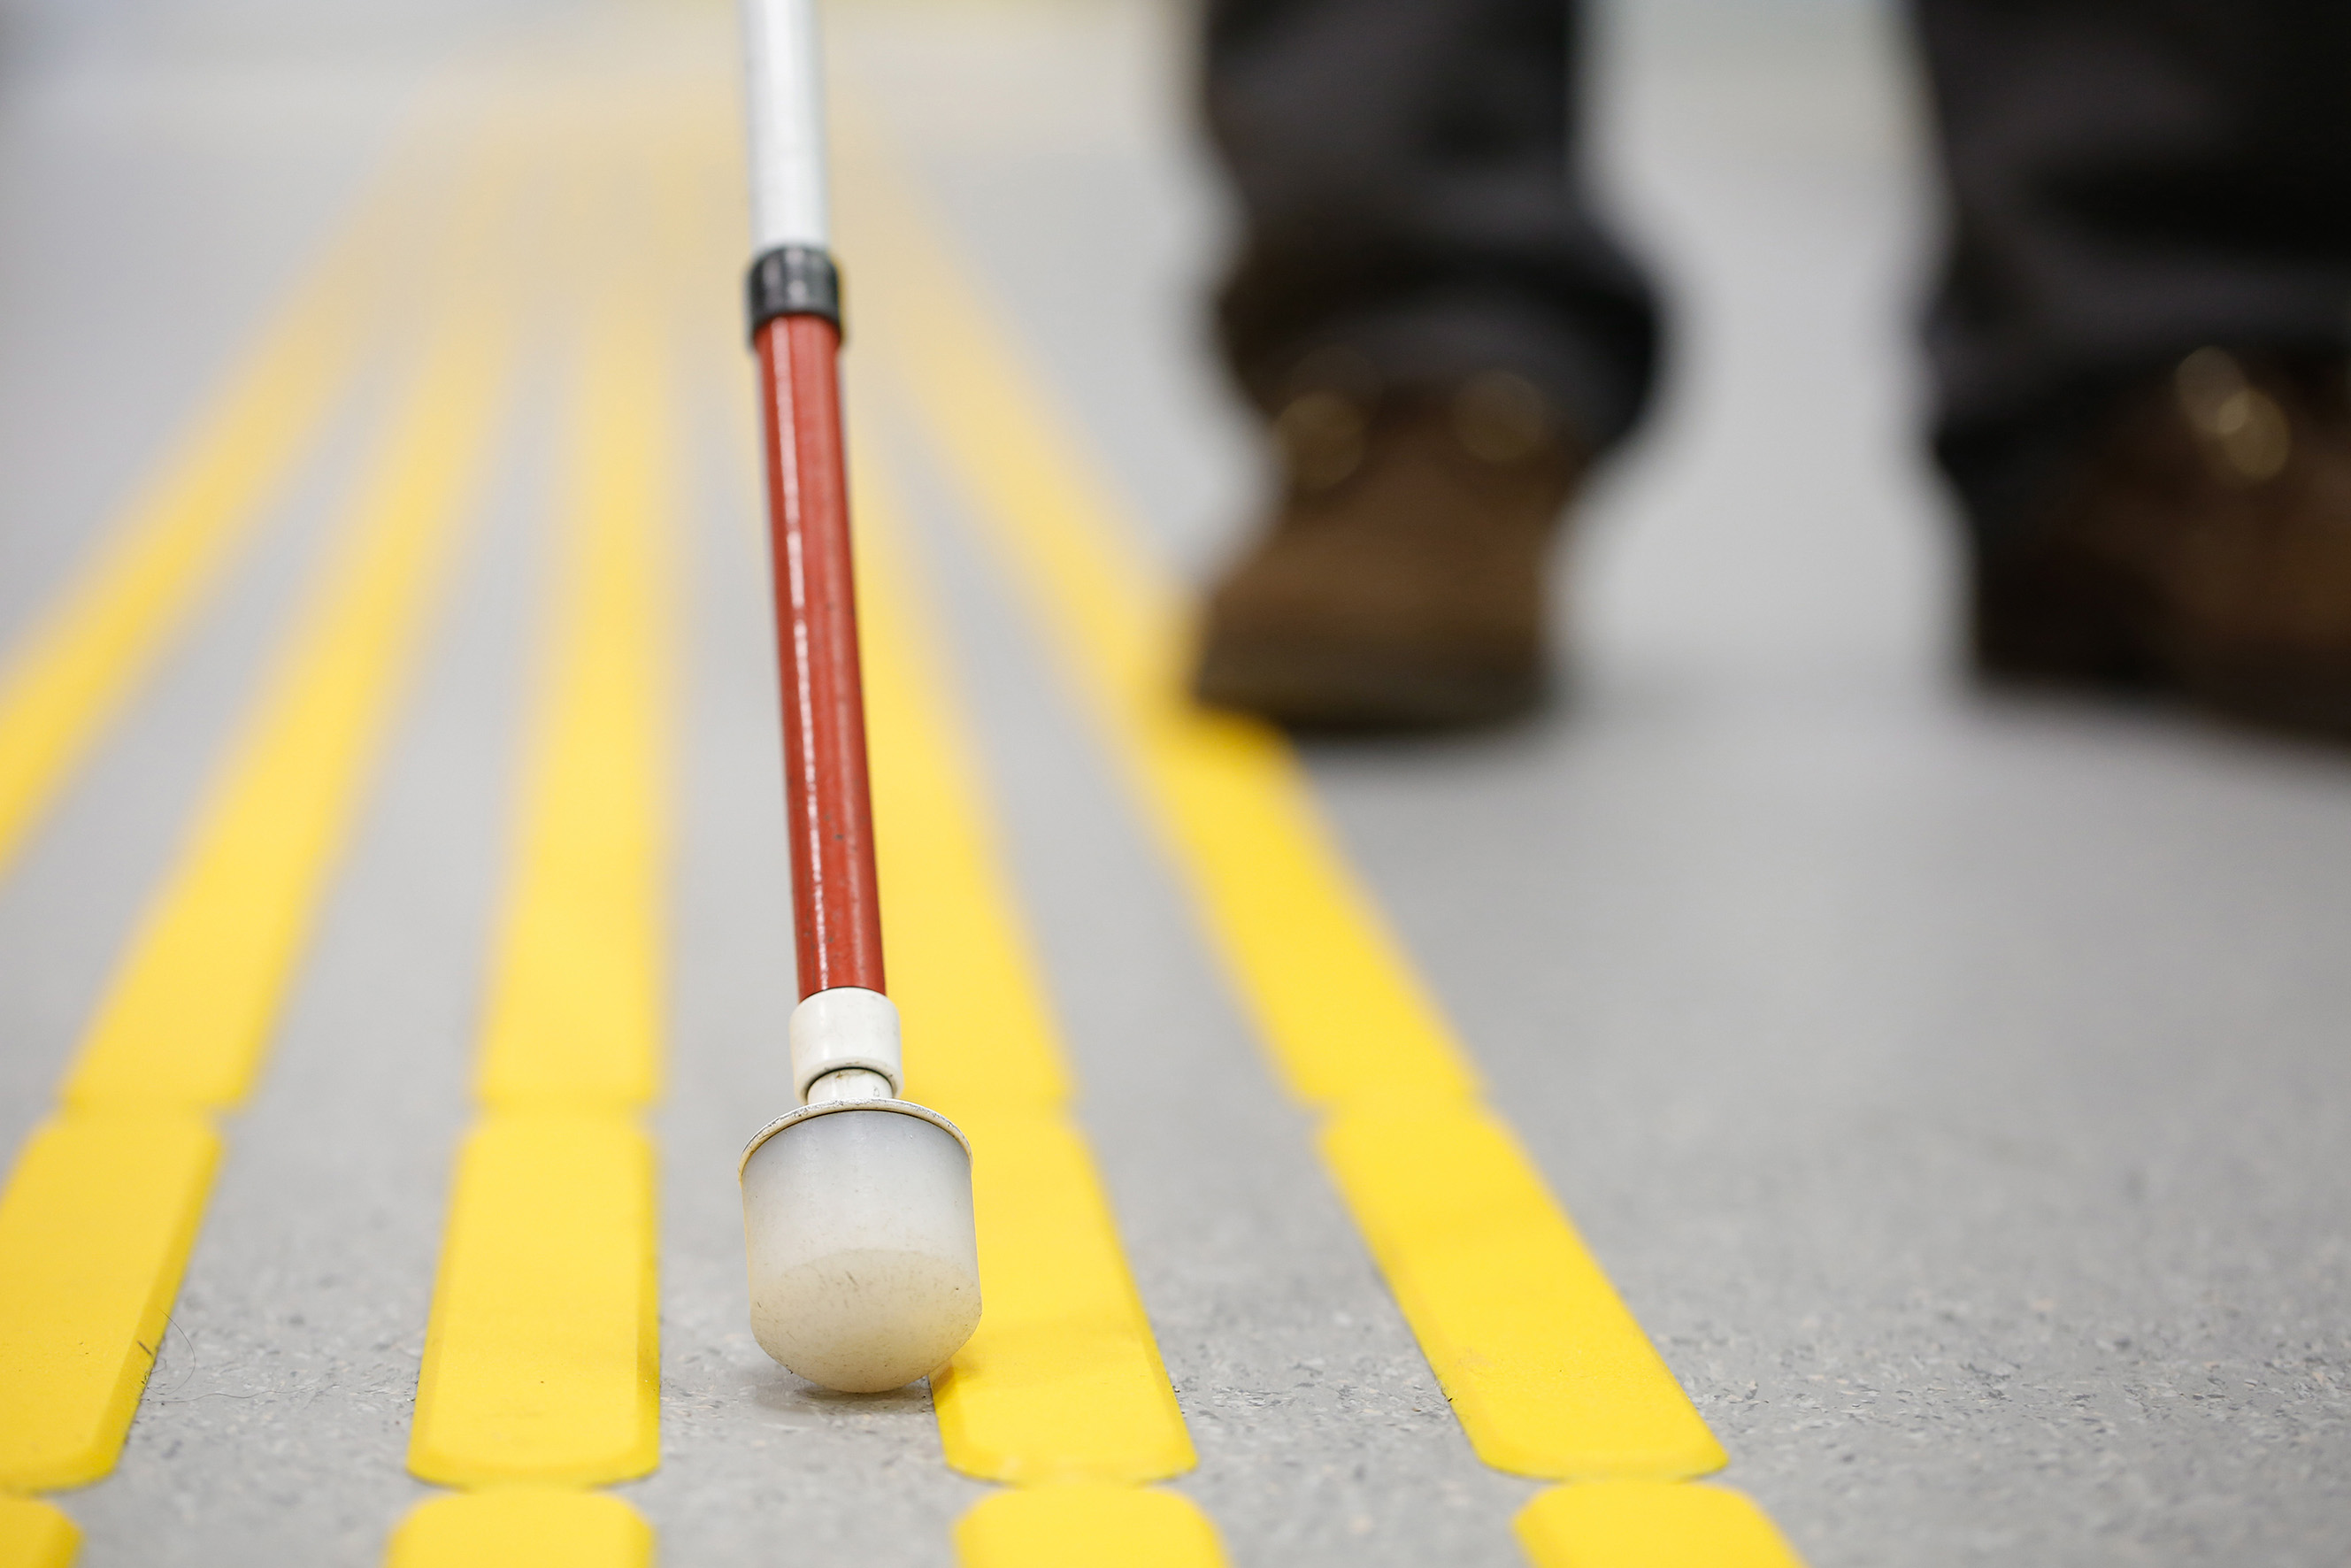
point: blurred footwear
(2205, 548)
(1401, 585)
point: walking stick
(857, 1206)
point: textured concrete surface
(1954, 1086)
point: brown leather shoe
(2204, 548)
(1401, 584)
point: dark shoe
(2204, 548)
(1401, 585)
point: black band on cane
(792, 280)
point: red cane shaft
(836, 906)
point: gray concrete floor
(1953, 1086)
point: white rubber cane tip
(864, 1268)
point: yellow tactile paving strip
(34, 1535)
(104, 1203)
(1085, 1527)
(575, 1008)
(73, 669)
(542, 1358)
(523, 1527)
(95, 1228)
(1062, 1383)
(1547, 1371)
(541, 1364)
(1650, 1524)
(186, 1017)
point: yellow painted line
(522, 1528)
(34, 1535)
(539, 1363)
(189, 1011)
(1649, 1524)
(542, 1358)
(77, 664)
(95, 1227)
(1062, 1381)
(1087, 1527)
(1332, 994)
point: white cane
(857, 1210)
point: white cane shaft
(786, 103)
